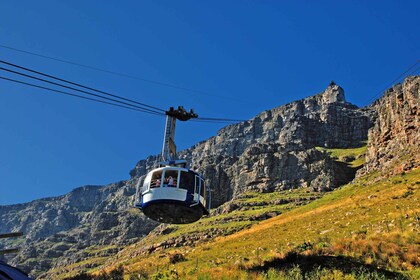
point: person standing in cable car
(171, 182)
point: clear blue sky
(248, 56)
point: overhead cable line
(124, 74)
(396, 80)
(79, 85)
(414, 71)
(76, 95)
(221, 122)
(105, 102)
(220, 119)
(101, 101)
(405, 72)
(111, 101)
(79, 90)
(108, 71)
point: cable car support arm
(169, 147)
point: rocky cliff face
(394, 141)
(273, 151)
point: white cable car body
(173, 193)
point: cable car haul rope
(37, 79)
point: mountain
(366, 229)
(286, 149)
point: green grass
(356, 214)
(96, 249)
(355, 156)
(13, 242)
(88, 265)
(251, 206)
(371, 224)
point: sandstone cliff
(394, 141)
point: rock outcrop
(394, 141)
(273, 151)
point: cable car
(173, 193)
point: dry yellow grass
(389, 206)
(370, 220)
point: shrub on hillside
(116, 274)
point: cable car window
(146, 182)
(187, 181)
(197, 184)
(156, 179)
(203, 191)
(171, 177)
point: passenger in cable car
(156, 179)
(170, 176)
(157, 183)
(171, 182)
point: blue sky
(243, 56)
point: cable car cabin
(172, 194)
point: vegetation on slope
(239, 214)
(368, 229)
(368, 225)
(355, 157)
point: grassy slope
(251, 208)
(365, 210)
(356, 156)
(368, 222)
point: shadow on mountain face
(309, 264)
(345, 173)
